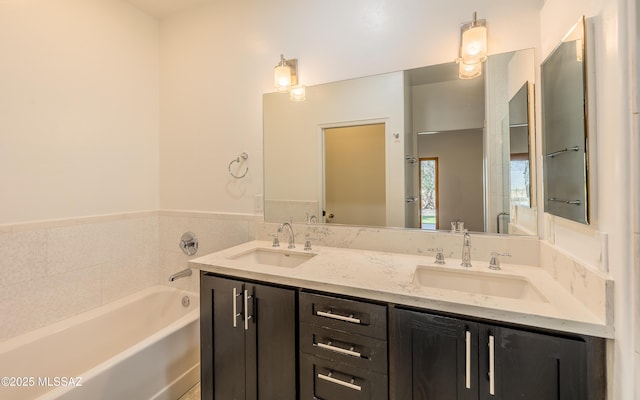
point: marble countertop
(389, 277)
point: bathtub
(143, 346)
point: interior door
(354, 175)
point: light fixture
(297, 93)
(473, 41)
(469, 71)
(473, 48)
(285, 74)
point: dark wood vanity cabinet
(248, 340)
(445, 358)
(267, 342)
(343, 349)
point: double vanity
(335, 323)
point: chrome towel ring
(239, 160)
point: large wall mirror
(564, 127)
(418, 149)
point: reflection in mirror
(564, 126)
(443, 150)
(522, 159)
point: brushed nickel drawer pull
(236, 314)
(492, 366)
(331, 379)
(330, 314)
(467, 373)
(247, 317)
(350, 352)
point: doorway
(429, 194)
(354, 175)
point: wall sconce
(469, 71)
(285, 74)
(285, 78)
(297, 93)
(473, 48)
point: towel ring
(242, 157)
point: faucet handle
(494, 263)
(307, 243)
(276, 241)
(439, 255)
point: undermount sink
(273, 257)
(483, 283)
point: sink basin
(273, 257)
(488, 284)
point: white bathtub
(144, 346)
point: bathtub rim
(66, 323)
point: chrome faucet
(292, 238)
(182, 274)
(466, 251)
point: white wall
(79, 109)
(606, 243)
(448, 106)
(218, 60)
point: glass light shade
(473, 47)
(297, 93)
(282, 78)
(469, 71)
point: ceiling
(164, 8)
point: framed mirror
(564, 128)
(420, 114)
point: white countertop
(389, 277)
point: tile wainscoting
(53, 270)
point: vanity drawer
(362, 352)
(346, 315)
(328, 380)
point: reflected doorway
(354, 175)
(429, 194)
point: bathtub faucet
(182, 274)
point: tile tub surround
(53, 270)
(389, 277)
(215, 231)
(56, 269)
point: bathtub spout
(182, 274)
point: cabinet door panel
(533, 366)
(433, 360)
(222, 349)
(273, 328)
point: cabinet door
(222, 360)
(271, 344)
(531, 366)
(436, 357)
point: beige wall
(79, 119)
